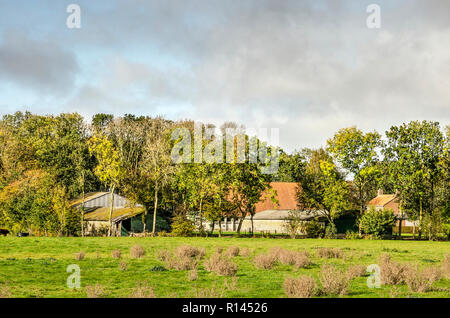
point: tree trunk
(155, 210)
(111, 209)
(241, 219)
(420, 219)
(220, 228)
(213, 224)
(82, 215)
(201, 214)
(144, 220)
(251, 219)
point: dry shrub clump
(189, 251)
(116, 254)
(137, 251)
(333, 280)
(95, 291)
(301, 287)
(192, 275)
(233, 251)
(216, 292)
(356, 271)
(446, 266)
(246, 252)
(219, 249)
(298, 259)
(143, 290)
(164, 255)
(265, 261)
(325, 252)
(80, 256)
(392, 273)
(123, 265)
(221, 265)
(5, 291)
(420, 281)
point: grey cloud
(38, 65)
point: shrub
(333, 280)
(233, 251)
(79, 256)
(350, 235)
(356, 271)
(420, 281)
(392, 273)
(377, 222)
(95, 291)
(143, 290)
(193, 275)
(301, 287)
(116, 254)
(219, 249)
(163, 255)
(246, 252)
(293, 223)
(265, 261)
(301, 260)
(325, 252)
(137, 251)
(446, 266)
(182, 226)
(313, 229)
(5, 291)
(221, 265)
(330, 231)
(298, 259)
(189, 251)
(123, 265)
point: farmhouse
(391, 202)
(126, 216)
(270, 217)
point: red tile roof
(382, 199)
(286, 195)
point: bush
(301, 287)
(137, 251)
(221, 265)
(446, 266)
(5, 291)
(233, 251)
(246, 252)
(356, 271)
(420, 281)
(333, 280)
(123, 266)
(377, 222)
(193, 275)
(79, 256)
(313, 229)
(350, 235)
(325, 252)
(116, 254)
(331, 231)
(143, 290)
(95, 291)
(392, 273)
(182, 226)
(265, 261)
(189, 251)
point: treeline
(46, 161)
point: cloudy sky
(305, 67)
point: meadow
(37, 267)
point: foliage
(182, 226)
(377, 222)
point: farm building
(391, 202)
(270, 217)
(126, 216)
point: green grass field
(36, 267)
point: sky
(307, 68)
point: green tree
(358, 154)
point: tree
(357, 153)
(108, 169)
(322, 187)
(157, 162)
(413, 152)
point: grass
(36, 267)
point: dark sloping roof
(87, 197)
(102, 214)
(286, 195)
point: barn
(126, 216)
